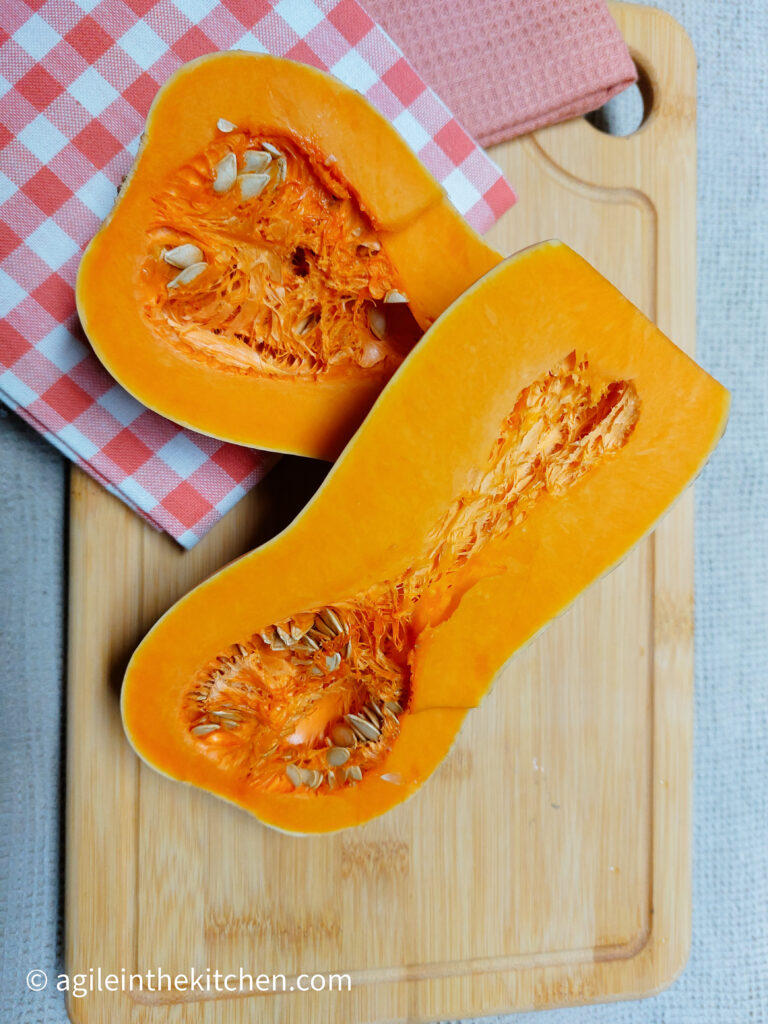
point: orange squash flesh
(291, 320)
(480, 497)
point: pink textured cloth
(506, 67)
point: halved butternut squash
(275, 252)
(319, 680)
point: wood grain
(548, 860)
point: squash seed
(293, 774)
(323, 628)
(342, 735)
(282, 169)
(255, 160)
(368, 248)
(271, 149)
(187, 274)
(395, 296)
(204, 729)
(371, 355)
(361, 725)
(226, 714)
(226, 173)
(337, 756)
(252, 185)
(183, 256)
(225, 126)
(371, 716)
(285, 636)
(332, 620)
(377, 323)
(392, 777)
(354, 772)
(331, 780)
(311, 778)
(272, 641)
(333, 661)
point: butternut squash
(274, 253)
(319, 680)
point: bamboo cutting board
(547, 862)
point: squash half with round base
(274, 253)
(319, 680)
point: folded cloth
(76, 81)
(506, 67)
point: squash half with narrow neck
(275, 252)
(318, 681)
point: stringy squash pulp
(274, 253)
(260, 261)
(319, 680)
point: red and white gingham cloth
(76, 81)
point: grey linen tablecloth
(726, 981)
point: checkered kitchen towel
(76, 81)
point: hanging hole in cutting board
(627, 112)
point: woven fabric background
(76, 82)
(726, 981)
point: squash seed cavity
(299, 284)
